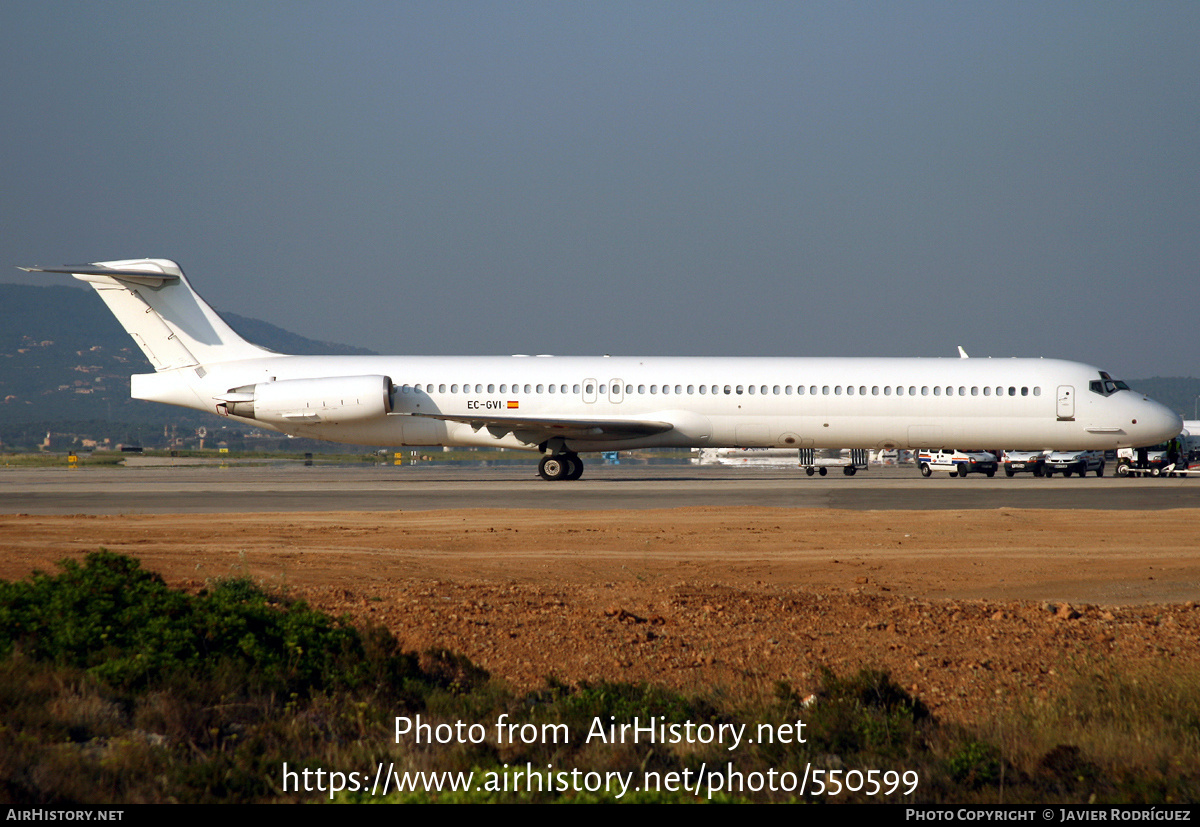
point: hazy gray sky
(796, 178)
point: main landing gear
(561, 467)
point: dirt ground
(969, 609)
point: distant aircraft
(563, 406)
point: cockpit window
(1106, 385)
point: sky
(633, 178)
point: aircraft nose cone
(1158, 422)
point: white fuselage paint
(1030, 404)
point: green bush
(124, 626)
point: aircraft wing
(545, 427)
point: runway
(292, 487)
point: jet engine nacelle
(329, 401)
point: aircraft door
(615, 391)
(1066, 402)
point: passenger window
(703, 388)
(441, 388)
(641, 388)
(654, 389)
(454, 389)
(825, 390)
(1012, 391)
(937, 391)
(750, 389)
(539, 388)
(1037, 391)
(924, 390)
(874, 390)
(691, 389)
(551, 388)
(1024, 391)
(575, 388)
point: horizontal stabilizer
(136, 276)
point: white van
(958, 463)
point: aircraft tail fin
(168, 320)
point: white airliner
(563, 406)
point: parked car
(1075, 462)
(958, 463)
(1031, 462)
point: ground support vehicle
(1074, 462)
(1027, 462)
(819, 461)
(958, 463)
(1168, 470)
(1173, 457)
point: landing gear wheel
(1123, 468)
(554, 468)
(576, 468)
(810, 470)
(849, 470)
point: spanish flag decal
(512, 404)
